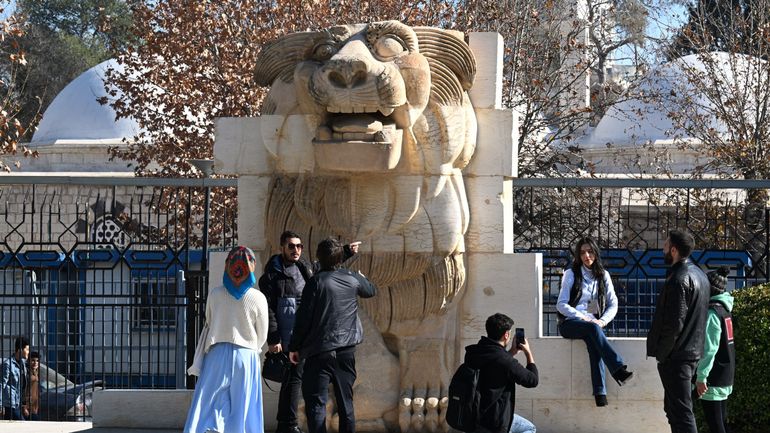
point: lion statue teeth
(385, 128)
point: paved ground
(66, 427)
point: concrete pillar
(487, 90)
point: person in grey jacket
(13, 378)
(677, 332)
(326, 332)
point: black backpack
(463, 411)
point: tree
(723, 104)
(194, 63)
(716, 25)
(12, 60)
(65, 38)
(612, 25)
(557, 53)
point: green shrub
(748, 408)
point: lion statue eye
(323, 51)
(389, 46)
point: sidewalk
(66, 427)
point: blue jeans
(600, 351)
(522, 425)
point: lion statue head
(377, 97)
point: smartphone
(519, 334)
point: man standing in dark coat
(325, 336)
(499, 373)
(282, 283)
(677, 331)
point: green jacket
(713, 333)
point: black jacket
(275, 284)
(679, 324)
(499, 373)
(327, 318)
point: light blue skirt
(228, 394)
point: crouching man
(499, 373)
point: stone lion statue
(371, 127)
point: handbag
(276, 366)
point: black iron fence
(631, 218)
(106, 277)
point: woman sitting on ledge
(587, 303)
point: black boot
(622, 375)
(601, 400)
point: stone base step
(159, 408)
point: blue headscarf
(239, 271)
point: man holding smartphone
(499, 373)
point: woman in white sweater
(587, 303)
(228, 394)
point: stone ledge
(159, 409)
(145, 409)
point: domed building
(639, 135)
(76, 131)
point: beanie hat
(718, 280)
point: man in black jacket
(325, 336)
(678, 329)
(499, 373)
(282, 283)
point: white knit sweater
(239, 321)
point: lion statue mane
(372, 127)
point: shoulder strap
(719, 307)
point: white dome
(633, 122)
(75, 116)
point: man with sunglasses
(282, 283)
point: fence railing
(631, 218)
(106, 277)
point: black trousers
(676, 377)
(288, 398)
(715, 413)
(337, 367)
(13, 413)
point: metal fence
(106, 277)
(631, 218)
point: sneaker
(623, 376)
(601, 400)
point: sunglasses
(295, 246)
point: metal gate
(106, 277)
